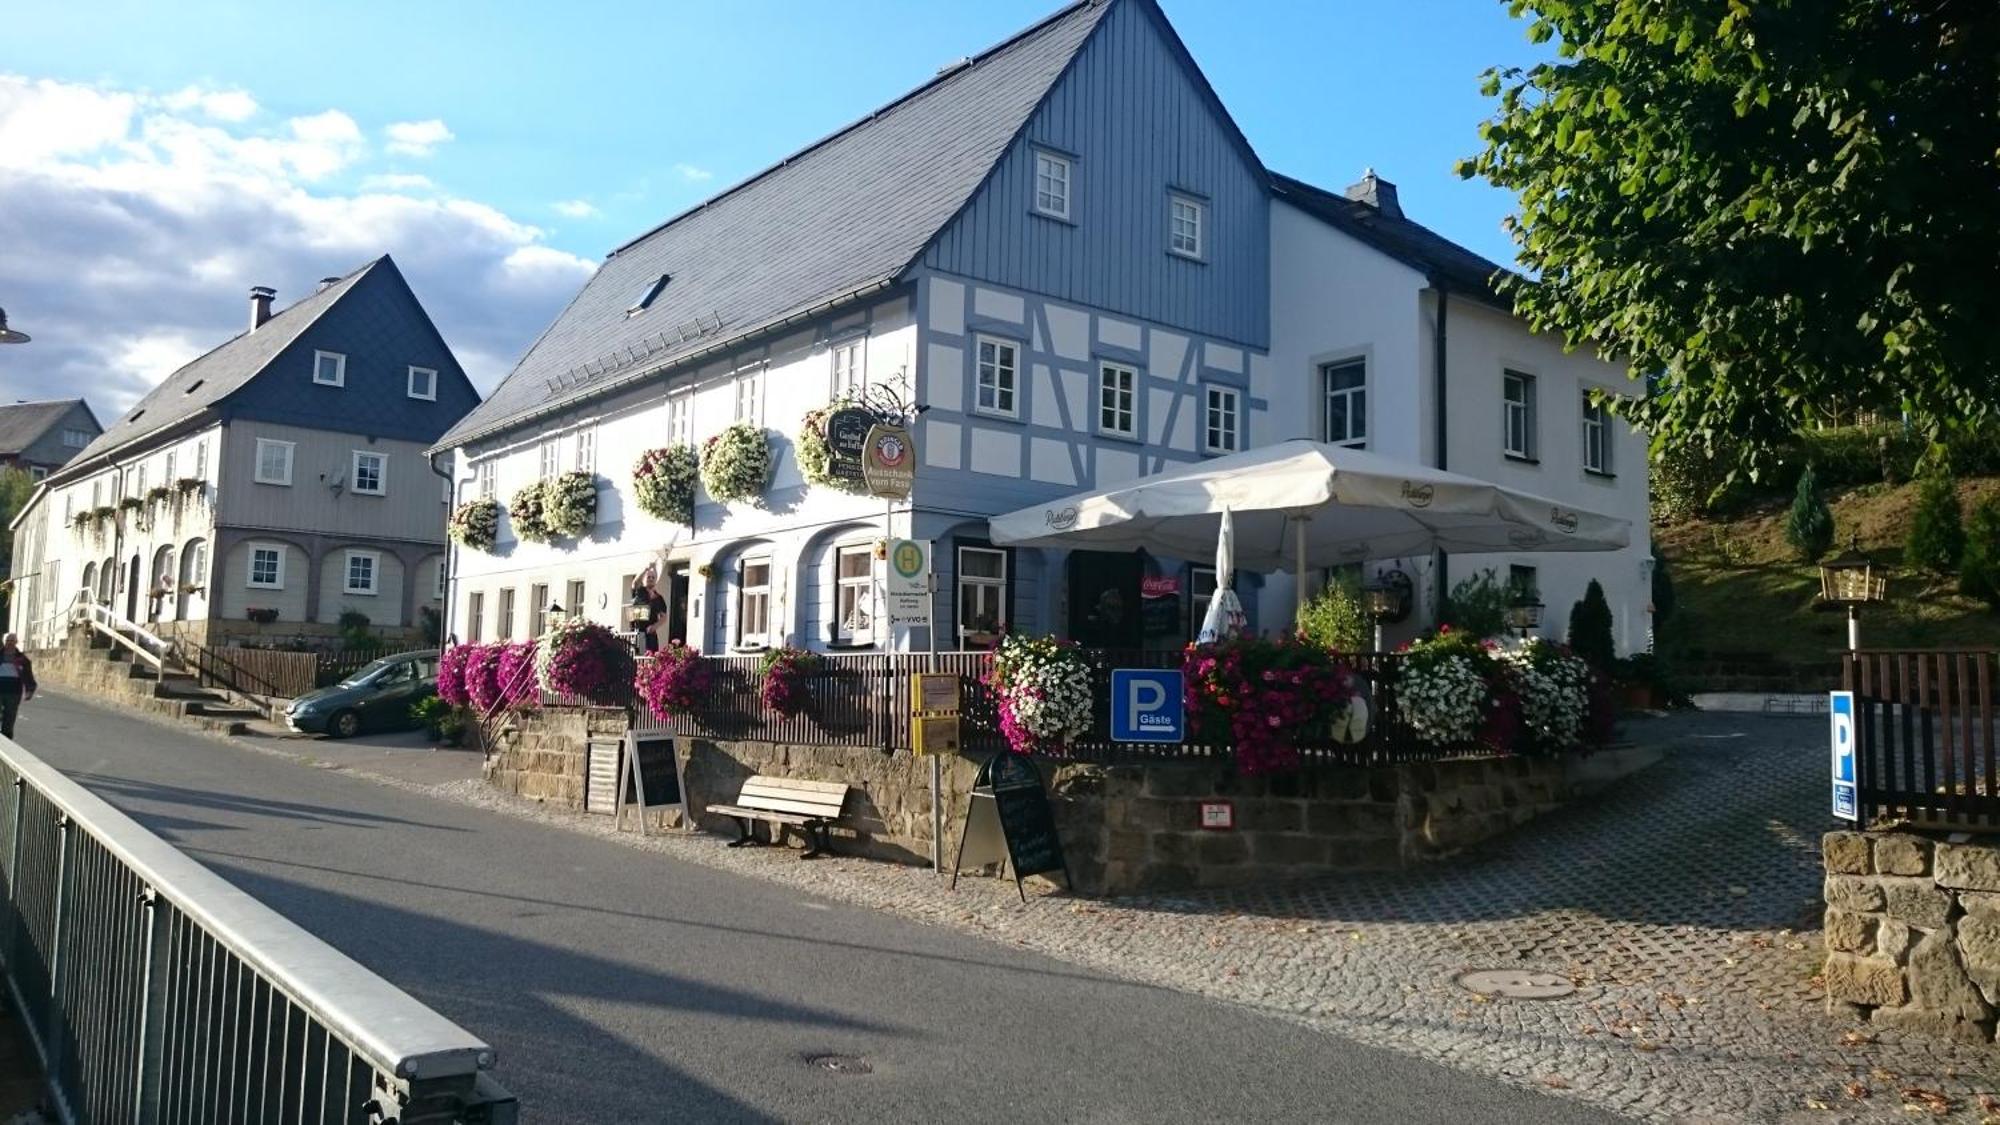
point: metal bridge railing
(156, 992)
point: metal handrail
(417, 1056)
(107, 622)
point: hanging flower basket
(131, 503)
(583, 658)
(103, 512)
(786, 674)
(529, 512)
(1260, 696)
(482, 676)
(816, 456)
(1042, 686)
(675, 680)
(569, 504)
(451, 675)
(475, 524)
(664, 481)
(736, 463)
(514, 675)
(158, 493)
(1452, 692)
(189, 484)
(1553, 686)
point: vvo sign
(1841, 707)
(1146, 706)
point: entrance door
(677, 603)
(1104, 599)
(132, 590)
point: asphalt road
(622, 986)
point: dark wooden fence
(864, 701)
(1925, 744)
(278, 672)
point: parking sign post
(1840, 706)
(1147, 705)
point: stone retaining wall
(1913, 931)
(1124, 828)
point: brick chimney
(260, 305)
(1378, 193)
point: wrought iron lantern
(1386, 600)
(1524, 614)
(1848, 581)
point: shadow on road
(108, 786)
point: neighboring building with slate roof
(1065, 251)
(269, 486)
(40, 437)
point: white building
(1068, 254)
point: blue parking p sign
(1841, 707)
(1146, 706)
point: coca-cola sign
(1163, 586)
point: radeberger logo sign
(1418, 495)
(1061, 519)
(1565, 521)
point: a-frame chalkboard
(1007, 818)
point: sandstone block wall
(1913, 931)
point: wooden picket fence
(1925, 735)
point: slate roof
(845, 215)
(23, 423)
(1411, 243)
(204, 382)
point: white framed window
(96, 494)
(1052, 180)
(201, 459)
(538, 609)
(267, 566)
(371, 473)
(1596, 437)
(574, 604)
(69, 508)
(37, 472)
(503, 615)
(364, 572)
(424, 383)
(1517, 415)
(849, 376)
(649, 293)
(329, 369)
(1344, 413)
(753, 602)
(475, 614)
(1222, 423)
(550, 462)
(487, 474)
(274, 462)
(750, 396)
(680, 414)
(586, 449)
(1187, 226)
(999, 375)
(168, 478)
(1117, 400)
(76, 439)
(854, 595)
(139, 481)
(982, 592)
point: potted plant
(475, 524)
(1042, 686)
(187, 485)
(569, 504)
(663, 481)
(675, 680)
(816, 456)
(430, 713)
(787, 672)
(588, 660)
(736, 463)
(158, 493)
(1261, 695)
(131, 503)
(262, 615)
(529, 512)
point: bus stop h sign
(1147, 706)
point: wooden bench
(783, 801)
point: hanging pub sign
(1008, 820)
(847, 442)
(889, 463)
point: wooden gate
(1925, 738)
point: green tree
(1809, 526)
(15, 488)
(1478, 605)
(1590, 628)
(1664, 598)
(1937, 533)
(1336, 618)
(1979, 565)
(1790, 196)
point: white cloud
(693, 174)
(576, 209)
(417, 138)
(134, 223)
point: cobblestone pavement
(1683, 905)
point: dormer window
(330, 369)
(649, 294)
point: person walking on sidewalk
(17, 681)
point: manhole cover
(839, 1064)
(1516, 984)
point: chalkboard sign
(846, 440)
(662, 782)
(1008, 817)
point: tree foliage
(1337, 619)
(1979, 565)
(1478, 605)
(1937, 530)
(1767, 208)
(1590, 628)
(1809, 525)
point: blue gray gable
(382, 329)
(1135, 119)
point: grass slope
(1742, 590)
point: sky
(157, 160)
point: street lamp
(1524, 614)
(1386, 599)
(1848, 581)
(8, 335)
